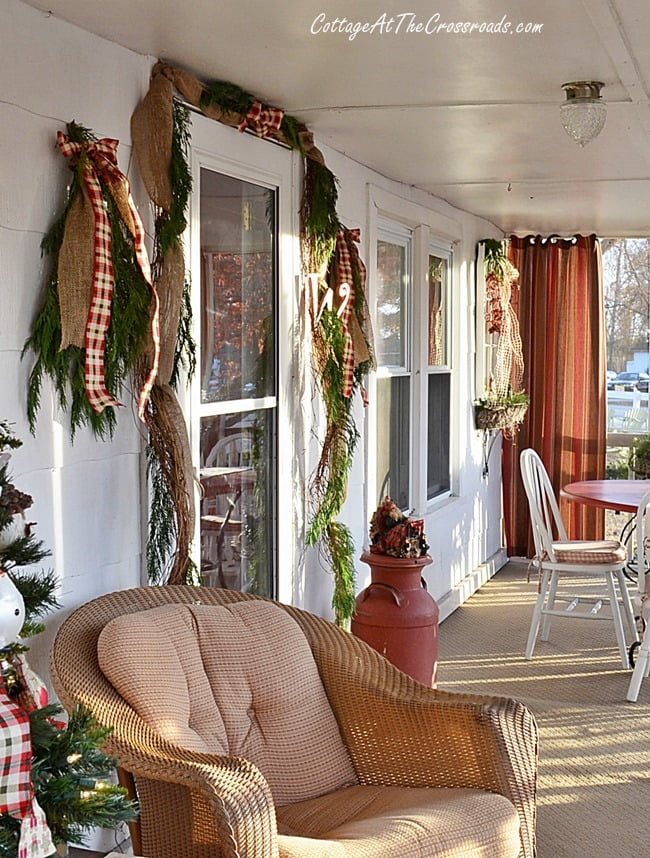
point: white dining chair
(641, 654)
(557, 556)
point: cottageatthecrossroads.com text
(407, 23)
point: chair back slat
(545, 515)
(643, 544)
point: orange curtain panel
(561, 315)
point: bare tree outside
(626, 272)
(626, 284)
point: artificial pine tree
(71, 775)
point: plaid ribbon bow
(262, 120)
(16, 790)
(347, 255)
(99, 160)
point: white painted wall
(465, 532)
(87, 495)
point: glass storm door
(238, 382)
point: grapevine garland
(340, 335)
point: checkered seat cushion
(590, 551)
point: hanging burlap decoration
(76, 266)
(193, 91)
(121, 195)
(508, 370)
(170, 443)
(152, 126)
(170, 283)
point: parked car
(630, 381)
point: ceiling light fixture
(583, 113)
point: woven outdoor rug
(594, 772)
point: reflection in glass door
(238, 383)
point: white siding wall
(87, 495)
(465, 532)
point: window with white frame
(413, 388)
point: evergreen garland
(228, 96)
(170, 226)
(126, 338)
(319, 227)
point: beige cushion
(398, 822)
(237, 680)
(590, 551)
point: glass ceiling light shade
(583, 113)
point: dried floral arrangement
(393, 533)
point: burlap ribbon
(98, 159)
(501, 319)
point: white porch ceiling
(471, 118)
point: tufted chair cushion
(239, 680)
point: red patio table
(619, 495)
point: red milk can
(397, 617)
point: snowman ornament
(12, 610)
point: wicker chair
(401, 758)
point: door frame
(249, 158)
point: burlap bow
(98, 159)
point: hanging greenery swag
(339, 321)
(340, 333)
(131, 346)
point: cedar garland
(229, 104)
(128, 332)
(172, 508)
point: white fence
(627, 413)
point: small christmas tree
(71, 775)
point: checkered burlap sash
(16, 789)
(262, 119)
(98, 159)
(346, 259)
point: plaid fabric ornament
(16, 789)
(262, 120)
(15, 758)
(35, 836)
(98, 159)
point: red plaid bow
(99, 159)
(262, 120)
(346, 254)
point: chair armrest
(226, 801)
(403, 733)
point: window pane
(392, 273)
(393, 439)
(437, 341)
(438, 435)
(237, 479)
(237, 289)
